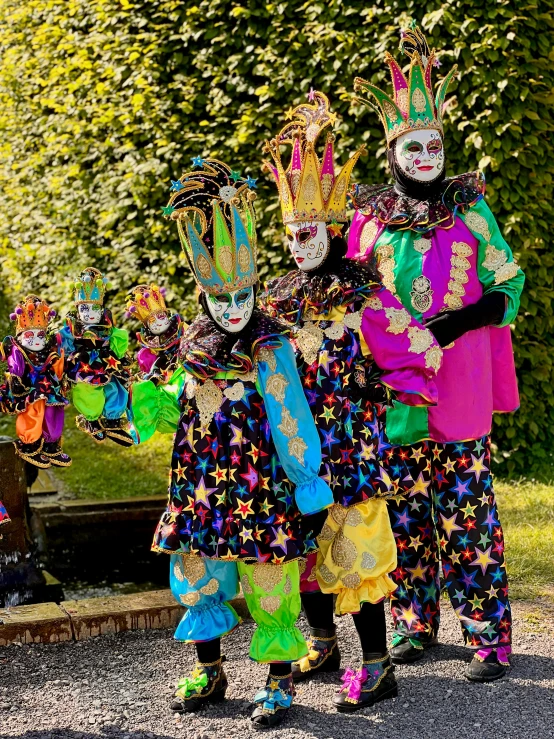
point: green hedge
(102, 101)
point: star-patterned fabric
(229, 497)
(4, 517)
(449, 516)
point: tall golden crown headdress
(145, 300)
(32, 312)
(90, 287)
(412, 105)
(309, 190)
(214, 209)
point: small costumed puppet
(439, 249)
(97, 365)
(155, 398)
(33, 388)
(344, 323)
(245, 438)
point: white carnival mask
(420, 154)
(232, 310)
(308, 243)
(90, 313)
(159, 322)
(33, 339)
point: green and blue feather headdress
(214, 210)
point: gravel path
(119, 687)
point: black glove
(314, 523)
(449, 325)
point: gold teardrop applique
(297, 448)
(327, 533)
(367, 237)
(243, 258)
(353, 518)
(338, 513)
(225, 258)
(177, 571)
(335, 330)
(211, 587)
(276, 385)
(352, 581)
(353, 321)
(267, 577)
(270, 603)
(194, 568)
(190, 599)
(208, 400)
(246, 587)
(309, 339)
(235, 391)
(419, 103)
(343, 551)
(420, 339)
(267, 355)
(422, 245)
(326, 575)
(399, 320)
(368, 561)
(288, 425)
(477, 223)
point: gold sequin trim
(270, 603)
(276, 385)
(267, 577)
(420, 339)
(399, 320)
(460, 266)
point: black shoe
(114, 429)
(92, 428)
(273, 702)
(324, 655)
(407, 649)
(32, 453)
(53, 454)
(375, 682)
(488, 665)
(206, 684)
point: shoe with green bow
(206, 684)
(273, 702)
(407, 649)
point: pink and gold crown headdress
(309, 190)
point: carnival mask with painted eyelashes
(33, 339)
(308, 243)
(420, 154)
(90, 314)
(159, 322)
(232, 310)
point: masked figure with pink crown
(346, 328)
(439, 249)
(33, 387)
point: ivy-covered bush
(103, 101)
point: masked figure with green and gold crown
(438, 247)
(347, 329)
(246, 456)
(96, 362)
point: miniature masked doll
(96, 362)
(245, 438)
(155, 398)
(345, 325)
(439, 249)
(33, 388)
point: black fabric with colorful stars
(449, 515)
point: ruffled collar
(299, 293)
(400, 212)
(158, 342)
(205, 350)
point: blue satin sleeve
(68, 345)
(292, 426)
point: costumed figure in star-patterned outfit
(245, 438)
(439, 249)
(96, 364)
(33, 389)
(154, 398)
(345, 326)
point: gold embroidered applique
(326, 185)
(374, 303)
(189, 599)
(352, 581)
(277, 385)
(208, 400)
(203, 267)
(326, 575)
(268, 356)
(297, 448)
(433, 358)
(421, 295)
(309, 339)
(295, 180)
(418, 101)
(288, 425)
(420, 339)
(422, 245)
(494, 258)
(390, 111)
(211, 587)
(353, 518)
(193, 568)
(367, 236)
(402, 99)
(270, 603)
(327, 533)
(477, 223)
(353, 321)
(246, 587)
(252, 375)
(335, 330)
(506, 272)
(177, 571)
(235, 391)
(462, 249)
(343, 551)
(309, 188)
(368, 561)
(225, 257)
(386, 265)
(267, 577)
(302, 564)
(399, 320)
(190, 389)
(243, 258)
(338, 513)
(287, 587)
(460, 266)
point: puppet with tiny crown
(438, 247)
(154, 398)
(97, 365)
(33, 386)
(244, 440)
(346, 327)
